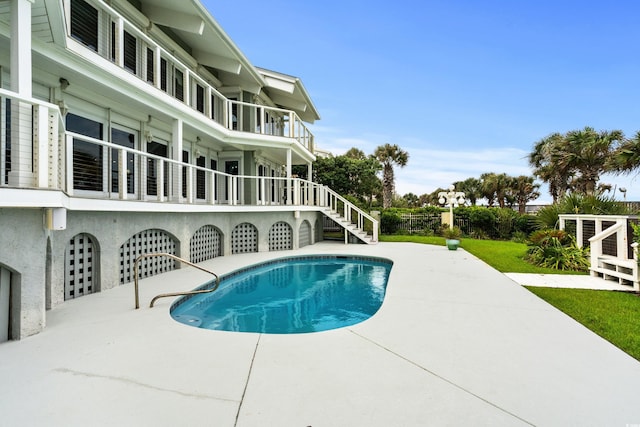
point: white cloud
(431, 167)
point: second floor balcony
(95, 28)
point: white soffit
(174, 19)
(219, 62)
(285, 86)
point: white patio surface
(455, 343)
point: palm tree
(388, 155)
(488, 187)
(576, 160)
(544, 159)
(471, 187)
(589, 153)
(495, 187)
(626, 157)
(524, 190)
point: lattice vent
(244, 239)
(146, 242)
(205, 244)
(80, 258)
(280, 237)
(304, 237)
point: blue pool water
(291, 295)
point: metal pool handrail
(172, 294)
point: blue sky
(465, 87)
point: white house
(134, 127)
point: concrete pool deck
(455, 343)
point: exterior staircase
(352, 219)
(625, 272)
(613, 257)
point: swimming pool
(291, 295)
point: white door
(5, 282)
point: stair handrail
(171, 294)
(348, 205)
(596, 241)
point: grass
(504, 256)
(612, 315)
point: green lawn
(504, 256)
(612, 315)
(615, 316)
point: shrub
(543, 237)
(558, 250)
(450, 232)
(505, 219)
(519, 237)
(526, 224)
(482, 218)
(390, 221)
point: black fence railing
(427, 224)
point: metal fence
(410, 223)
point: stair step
(613, 273)
(349, 226)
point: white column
(176, 154)
(212, 188)
(621, 239)
(156, 68)
(579, 232)
(42, 142)
(160, 180)
(289, 181)
(21, 47)
(22, 174)
(186, 84)
(120, 42)
(310, 188)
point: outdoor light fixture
(451, 198)
(623, 190)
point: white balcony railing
(85, 167)
(184, 83)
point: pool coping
(454, 342)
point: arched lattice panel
(280, 237)
(304, 235)
(81, 263)
(146, 242)
(244, 239)
(205, 244)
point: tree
(349, 176)
(413, 201)
(543, 160)
(389, 155)
(355, 153)
(574, 161)
(471, 187)
(524, 190)
(494, 187)
(588, 153)
(626, 158)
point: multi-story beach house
(130, 127)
